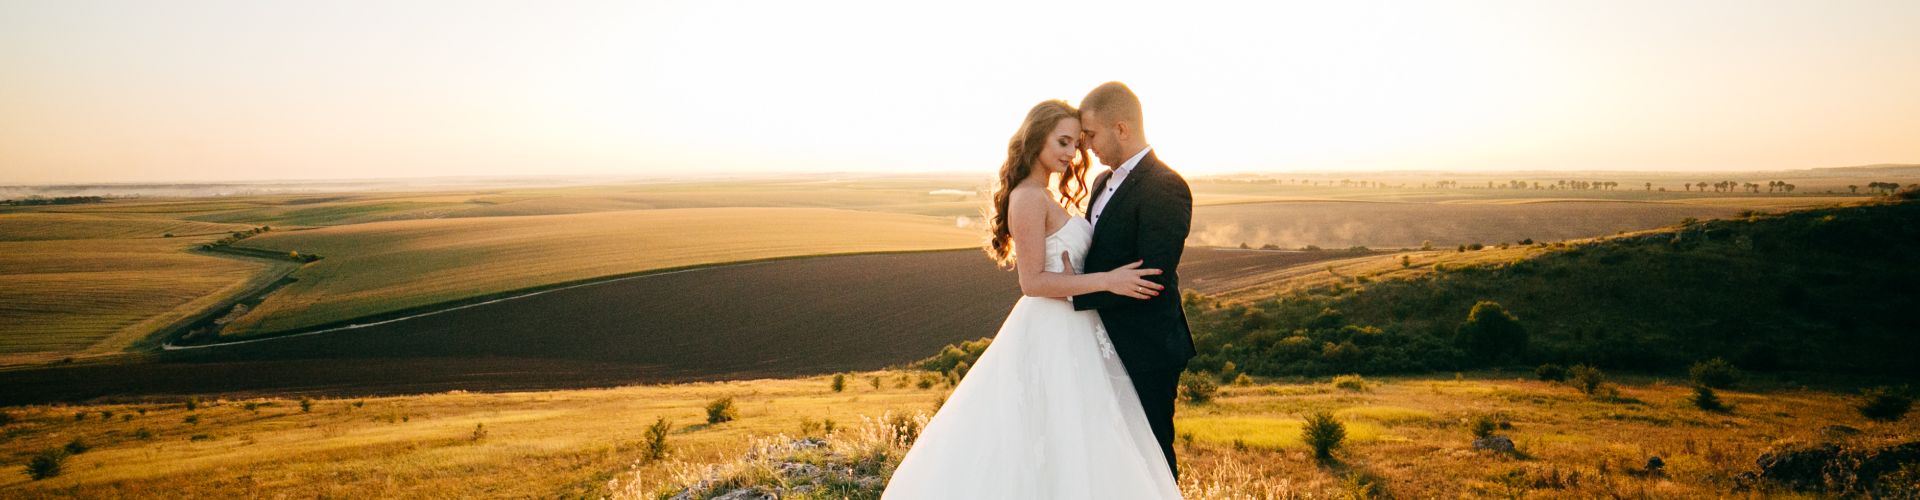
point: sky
(189, 90)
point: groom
(1140, 211)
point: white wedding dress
(1047, 413)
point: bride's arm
(1027, 221)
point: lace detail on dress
(1100, 336)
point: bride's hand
(1127, 280)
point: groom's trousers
(1157, 392)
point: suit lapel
(1140, 170)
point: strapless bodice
(1074, 239)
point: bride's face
(1062, 145)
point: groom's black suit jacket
(1147, 218)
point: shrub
(1476, 247)
(1705, 399)
(656, 444)
(1228, 372)
(46, 464)
(1323, 433)
(1550, 373)
(905, 429)
(1426, 245)
(479, 431)
(1491, 333)
(926, 381)
(306, 405)
(1197, 388)
(1242, 381)
(252, 406)
(876, 382)
(809, 427)
(192, 419)
(80, 416)
(953, 355)
(1885, 404)
(1350, 383)
(1481, 426)
(1406, 261)
(722, 410)
(839, 382)
(1588, 379)
(142, 434)
(960, 370)
(193, 404)
(1715, 373)
(77, 446)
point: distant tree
(656, 439)
(1788, 187)
(1649, 186)
(47, 464)
(1716, 373)
(1482, 426)
(1705, 399)
(839, 382)
(1426, 244)
(1197, 388)
(1491, 333)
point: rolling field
(1407, 225)
(59, 226)
(1405, 439)
(767, 318)
(383, 267)
(59, 298)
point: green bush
(77, 446)
(722, 410)
(1242, 381)
(1716, 373)
(1482, 426)
(839, 382)
(656, 444)
(1197, 388)
(960, 370)
(47, 464)
(1352, 383)
(1228, 371)
(1588, 379)
(1705, 399)
(1550, 373)
(142, 434)
(1323, 433)
(1491, 333)
(953, 355)
(1885, 404)
(193, 403)
(306, 405)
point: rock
(1654, 464)
(1837, 431)
(1496, 443)
(746, 494)
(799, 469)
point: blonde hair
(1022, 151)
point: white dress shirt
(1101, 198)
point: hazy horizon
(125, 92)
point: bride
(1048, 412)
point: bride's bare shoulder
(1023, 198)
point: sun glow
(116, 91)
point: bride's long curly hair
(1023, 150)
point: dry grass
(380, 267)
(58, 298)
(1407, 225)
(60, 226)
(1406, 440)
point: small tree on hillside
(1323, 433)
(1588, 379)
(1716, 373)
(1491, 334)
(722, 410)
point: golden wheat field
(61, 226)
(380, 267)
(1406, 439)
(62, 297)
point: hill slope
(1828, 289)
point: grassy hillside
(381, 267)
(1405, 440)
(1825, 289)
(60, 298)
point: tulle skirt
(1047, 413)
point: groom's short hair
(1113, 101)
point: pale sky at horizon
(205, 91)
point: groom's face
(1100, 136)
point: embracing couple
(1075, 398)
